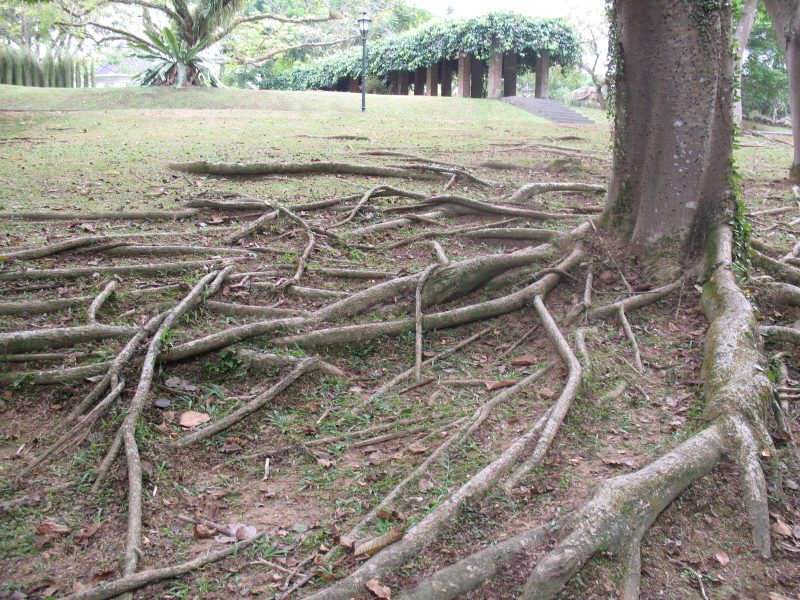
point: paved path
(548, 109)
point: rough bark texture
(673, 124)
(785, 15)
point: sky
(536, 8)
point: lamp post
(363, 26)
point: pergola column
(394, 82)
(353, 85)
(447, 78)
(432, 80)
(419, 81)
(402, 87)
(465, 76)
(495, 71)
(542, 73)
(509, 74)
(476, 87)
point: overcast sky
(536, 8)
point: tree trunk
(673, 142)
(785, 15)
(740, 37)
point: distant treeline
(23, 67)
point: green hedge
(22, 67)
(427, 46)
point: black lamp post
(363, 26)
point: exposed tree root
(306, 365)
(143, 215)
(784, 271)
(487, 208)
(245, 170)
(534, 189)
(145, 578)
(56, 376)
(111, 287)
(61, 337)
(159, 269)
(637, 356)
(130, 250)
(458, 316)
(50, 249)
(473, 571)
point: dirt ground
(269, 471)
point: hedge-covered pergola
(485, 52)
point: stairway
(548, 109)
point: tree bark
(673, 125)
(785, 15)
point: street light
(363, 26)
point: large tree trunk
(740, 37)
(785, 15)
(673, 125)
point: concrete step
(548, 109)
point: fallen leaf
(377, 544)
(417, 448)
(722, 558)
(161, 402)
(380, 590)
(525, 360)
(87, 532)
(776, 596)
(606, 275)
(102, 575)
(496, 385)
(192, 419)
(781, 528)
(425, 485)
(52, 529)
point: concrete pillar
(403, 83)
(419, 81)
(476, 86)
(509, 74)
(493, 89)
(447, 78)
(432, 80)
(353, 85)
(542, 74)
(465, 76)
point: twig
(693, 572)
(303, 260)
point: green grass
(320, 103)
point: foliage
(21, 67)
(443, 40)
(176, 64)
(389, 18)
(765, 83)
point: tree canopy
(426, 46)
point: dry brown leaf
(525, 360)
(496, 385)
(782, 528)
(377, 544)
(102, 575)
(417, 448)
(425, 485)
(380, 590)
(192, 419)
(201, 531)
(52, 529)
(87, 532)
(776, 596)
(722, 558)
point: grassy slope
(27, 98)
